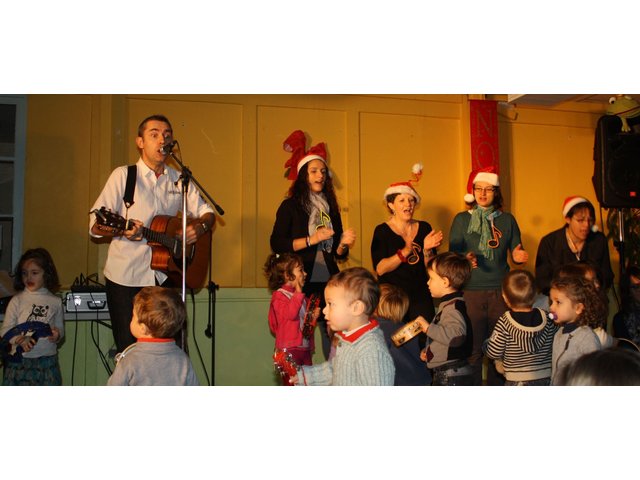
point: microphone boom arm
(187, 173)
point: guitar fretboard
(173, 244)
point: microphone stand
(187, 177)
(620, 243)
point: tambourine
(406, 333)
(284, 363)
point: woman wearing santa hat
(308, 221)
(486, 235)
(577, 241)
(401, 246)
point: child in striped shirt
(522, 341)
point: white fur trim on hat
(571, 202)
(490, 178)
(308, 158)
(402, 188)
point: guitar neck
(173, 244)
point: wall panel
(58, 162)
(549, 163)
(274, 125)
(210, 136)
(390, 145)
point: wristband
(308, 241)
(402, 258)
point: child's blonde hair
(359, 284)
(393, 304)
(161, 310)
(518, 287)
(581, 290)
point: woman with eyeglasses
(401, 247)
(577, 241)
(486, 235)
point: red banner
(485, 150)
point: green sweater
(361, 359)
(489, 274)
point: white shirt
(128, 262)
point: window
(13, 109)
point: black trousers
(484, 308)
(120, 302)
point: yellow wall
(233, 145)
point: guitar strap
(132, 173)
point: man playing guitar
(157, 192)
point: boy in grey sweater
(155, 359)
(362, 356)
(449, 337)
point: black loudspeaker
(616, 154)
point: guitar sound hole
(177, 253)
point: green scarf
(481, 224)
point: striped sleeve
(497, 343)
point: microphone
(166, 149)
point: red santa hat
(487, 174)
(406, 187)
(571, 202)
(295, 144)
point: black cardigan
(293, 222)
(554, 252)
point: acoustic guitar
(166, 246)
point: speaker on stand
(616, 174)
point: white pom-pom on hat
(403, 187)
(487, 175)
(407, 187)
